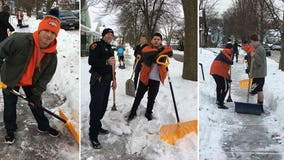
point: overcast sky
(223, 5)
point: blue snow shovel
(248, 108)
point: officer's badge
(106, 49)
(93, 46)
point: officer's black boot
(96, 144)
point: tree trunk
(281, 61)
(190, 45)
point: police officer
(101, 59)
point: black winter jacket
(4, 25)
(99, 52)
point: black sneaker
(222, 107)
(10, 138)
(103, 131)
(96, 144)
(149, 116)
(131, 117)
(51, 131)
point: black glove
(163, 59)
(35, 101)
(160, 48)
(247, 71)
(7, 91)
(229, 80)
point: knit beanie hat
(107, 30)
(5, 8)
(229, 46)
(50, 23)
(254, 37)
(54, 12)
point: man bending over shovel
(29, 60)
(220, 72)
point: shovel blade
(248, 108)
(70, 126)
(129, 88)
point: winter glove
(35, 101)
(163, 59)
(7, 90)
(229, 80)
(160, 48)
(247, 71)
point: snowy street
(140, 139)
(239, 136)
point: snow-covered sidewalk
(140, 139)
(224, 134)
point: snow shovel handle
(167, 63)
(138, 57)
(173, 96)
(250, 76)
(113, 90)
(4, 86)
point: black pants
(221, 88)
(10, 115)
(136, 76)
(99, 99)
(237, 56)
(20, 23)
(153, 89)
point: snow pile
(140, 137)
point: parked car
(68, 19)
(76, 12)
(267, 49)
(276, 46)
(40, 14)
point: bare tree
(148, 11)
(170, 26)
(208, 12)
(246, 17)
(280, 25)
(190, 49)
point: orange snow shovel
(172, 132)
(244, 84)
(62, 117)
